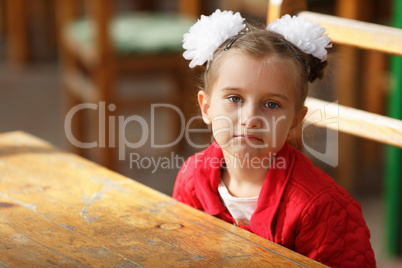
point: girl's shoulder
(196, 176)
(208, 159)
(311, 180)
(204, 162)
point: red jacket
(299, 207)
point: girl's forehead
(236, 59)
(239, 56)
(238, 66)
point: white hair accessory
(208, 33)
(308, 36)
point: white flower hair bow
(208, 33)
(308, 36)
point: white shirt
(241, 209)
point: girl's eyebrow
(231, 88)
(277, 95)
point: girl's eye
(235, 99)
(271, 105)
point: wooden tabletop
(58, 209)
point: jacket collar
(273, 189)
(207, 178)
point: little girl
(255, 85)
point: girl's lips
(249, 137)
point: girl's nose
(250, 117)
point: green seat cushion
(137, 32)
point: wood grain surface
(60, 210)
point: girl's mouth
(249, 137)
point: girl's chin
(247, 152)
(247, 160)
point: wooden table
(58, 209)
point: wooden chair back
(90, 73)
(357, 122)
(358, 34)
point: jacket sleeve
(184, 188)
(333, 231)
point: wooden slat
(137, 63)
(86, 53)
(356, 122)
(190, 8)
(345, 91)
(17, 32)
(374, 66)
(278, 8)
(359, 34)
(81, 87)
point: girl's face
(251, 105)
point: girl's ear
(295, 129)
(203, 101)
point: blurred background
(56, 54)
